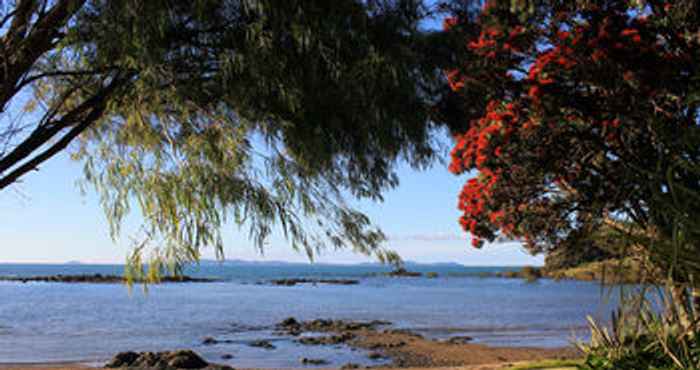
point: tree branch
(97, 103)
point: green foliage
(530, 273)
(548, 364)
(260, 114)
(644, 334)
(585, 246)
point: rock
(185, 359)
(528, 273)
(340, 325)
(313, 361)
(375, 356)
(262, 344)
(405, 332)
(402, 272)
(208, 341)
(339, 281)
(122, 359)
(98, 279)
(285, 282)
(147, 359)
(226, 356)
(182, 359)
(293, 327)
(327, 340)
(289, 322)
(385, 345)
(293, 282)
(290, 326)
(431, 275)
(350, 366)
(375, 323)
(460, 340)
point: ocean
(89, 323)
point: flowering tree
(589, 116)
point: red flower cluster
(483, 143)
(579, 76)
(548, 63)
(484, 138)
(472, 202)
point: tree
(31, 30)
(261, 112)
(589, 117)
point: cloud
(431, 237)
(443, 236)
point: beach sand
(408, 350)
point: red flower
(629, 32)
(448, 23)
(534, 92)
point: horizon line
(114, 263)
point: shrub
(644, 334)
(530, 273)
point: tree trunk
(695, 303)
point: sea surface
(55, 322)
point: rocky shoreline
(181, 359)
(404, 348)
(99, 279)
(385, 346)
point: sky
(46, 219)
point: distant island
(239, 262)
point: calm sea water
(43, 322)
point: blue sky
(46, 219)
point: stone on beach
(462, 339)
(181, 359)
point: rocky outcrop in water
(313, 361)
(342, 330)
(294, 327)
(210, 341)
(402, 272)
(293, 282)
(98, 279)
(262, 344)
(182, 359)
(327, 340)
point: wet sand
(407, 350)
